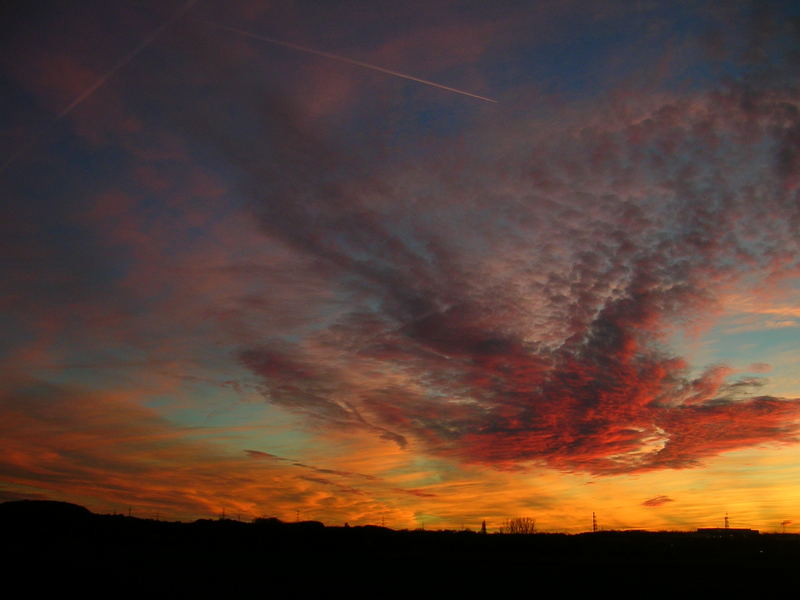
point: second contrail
(350, 61)
(99, 82)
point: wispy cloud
(657, 501)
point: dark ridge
(74, 547)
(50, 510)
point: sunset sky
(412, 263)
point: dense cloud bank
(520, 313)
(508, 296)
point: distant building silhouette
(727, 531)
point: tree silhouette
(519, 525)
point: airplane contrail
(99, 82)
(350, 61)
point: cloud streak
(350, 61)
(99, 82)
(657, 501)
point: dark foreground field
(64, 546)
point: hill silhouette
(67, 543)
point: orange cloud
(106, 451)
